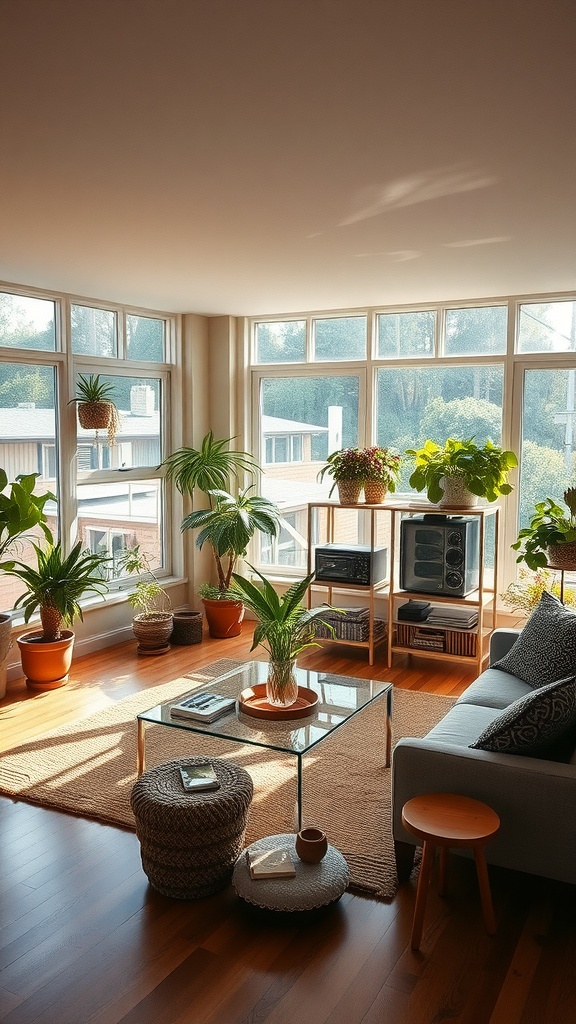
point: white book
(203, 707)
(275, 863)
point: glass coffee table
(340, 698)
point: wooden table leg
(422, 894)
(485, 894)
(443, 871)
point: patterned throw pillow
(546, 647)
(534, 722)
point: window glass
(115, 516)
(401, 335)
(93, 331)
(281, 342)
(415, 404)
(548, 464)
(138, 438)
(476, 331)
(145, 337)
(340, 337)
(28, 445)
(27, 323)
(547, 327)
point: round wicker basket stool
(189, 842)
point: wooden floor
(84, 938)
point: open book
(276, 863)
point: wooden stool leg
(485, 894)
(443, 871)
(422, 894)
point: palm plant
(285, 628)
(211, 467)
(56, 584)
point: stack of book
(349, 624)
(453, 618)
(275, 863)
(203, 707)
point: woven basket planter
(152, 630)
(94, 415)
(562, 556)
(189, 842)
(187, 628)
(374, 492)
(349, 491)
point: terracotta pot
(94, 415)
(46, 663)
(374, 491)
(456, 494)
(224, 618)
(311, 844)
(562, 556)
(349, 491)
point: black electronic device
(440, 554)
(351, 563)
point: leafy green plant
(285, 628)
(149, 595)
(20, 512)
(524, 593)
(92, 389)
(550, 525)
(56, 584)
(231, 520)
(484, 470)
(375, 463)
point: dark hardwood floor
(85, 939)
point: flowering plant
(363, 464)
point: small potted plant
(227, 525)
(96, 410)
(550, 539)
(456, 474)
(382, 469)
(54, 588)
(152, 624)
(285, 629)
(347, 467)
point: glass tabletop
(340, 698)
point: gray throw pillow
(534, 722)
(546, 647)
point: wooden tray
(252, 701)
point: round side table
(314, 885)
(446, 820)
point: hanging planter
(96, 410)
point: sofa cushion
(462, 724)
(495, 689)
(532, 724)
(546, 648)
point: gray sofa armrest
(533, 797)
(501, 641)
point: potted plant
(153, 622)
(96, 410)
(54, 588)
(457, 474)
(227, 525)
(524, 593)
(550, 539)
(382, 469)
(21, 511)
(285, 629)
(347, 467)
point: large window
(503, 370)
(110, 493)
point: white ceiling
(262, 156)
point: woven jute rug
(88, 768)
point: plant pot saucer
(149, 652)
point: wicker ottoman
(189, 842)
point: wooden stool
(445, 820)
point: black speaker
(440, 554)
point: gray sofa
(535, 798)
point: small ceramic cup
(311, 844)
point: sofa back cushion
(546, 647)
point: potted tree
(96, 410)
(54, 588)
(227, 525)
(21, 512)
(457, 474)
(550, 539)
(285, 629)
(152, 624)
